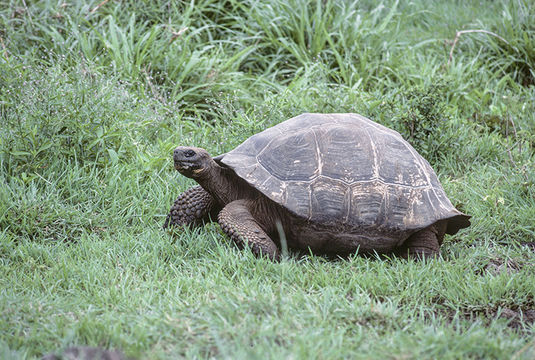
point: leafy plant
(420, 114)
(78, 116)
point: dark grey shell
(345, 171)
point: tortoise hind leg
(237, 222)
(424, 243)
(192, 207)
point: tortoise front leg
(238, 223)
(192, 207)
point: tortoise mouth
(186, 165)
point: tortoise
(332, 184)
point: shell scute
(345, 155)
(292, 157)
(330, 201)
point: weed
(420, 114)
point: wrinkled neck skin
(223, 184)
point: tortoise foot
(237, 222)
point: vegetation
(95, 95)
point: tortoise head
(192, 162)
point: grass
(93, 102)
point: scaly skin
(424, 243)
(237, 222)
(192, 207)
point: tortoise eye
(189, 153)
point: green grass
(93, 102)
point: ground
(94, 96)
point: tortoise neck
(223, 184)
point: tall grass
(95, 95)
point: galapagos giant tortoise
(328, 183)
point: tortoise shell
(345, 171)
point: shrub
(50, 114)
(420, 114)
